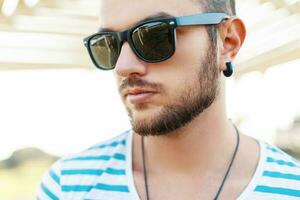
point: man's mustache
(138, 82)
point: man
(181, 146)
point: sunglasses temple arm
(201, 19)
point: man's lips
(138, 95)
(137, 91)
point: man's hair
(225, 6)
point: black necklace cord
(231, 162)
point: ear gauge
(229, 69)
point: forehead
(121, 14)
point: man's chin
(144, 123)
(142, 118)
(142, 111)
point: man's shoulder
(277, 158)
(116, 141)
(113, 148)
(277, 175)
(78, 173)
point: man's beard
(191, 103)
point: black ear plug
(229, 69)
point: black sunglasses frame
(172, 22)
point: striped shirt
(104, 172)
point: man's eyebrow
(154, 16)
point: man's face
(162, 97)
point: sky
(64, 111)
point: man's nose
(129, 64)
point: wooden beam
(293, 8)
(37, 66)
(262, 62)
(42, 41)
(89, 7)
(265, 17)
(27, 57)
(271, 37)
(53, 24)
(60, 12)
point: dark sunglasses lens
(105, 50)
(153, 41)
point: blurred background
(53, 102)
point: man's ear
(232, 33)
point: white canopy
(49, 33)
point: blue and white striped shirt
(104, 172)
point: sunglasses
(151, 41)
